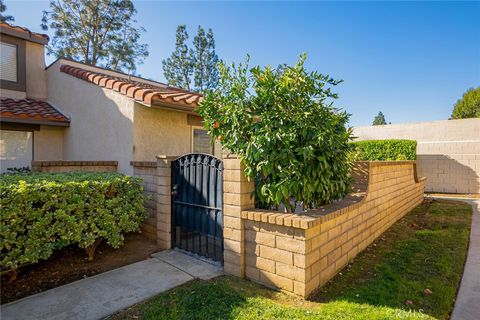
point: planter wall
(300, 252)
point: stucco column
(164, 201)
(236, 198)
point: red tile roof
(141, 91)
(31, 111)
(23, 33)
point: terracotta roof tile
(23, 33)
(141, 91)
(34, 110)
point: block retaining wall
(299, 253)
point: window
(16, 149)
(201, 142)
(12, 64)
(8, 68)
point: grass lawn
(424, 250)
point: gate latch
(174, 189)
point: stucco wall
(12, 94)
(36, 81)
(48, 143)
(101, 125)
(448, 151)
(158, 131)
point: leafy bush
(41, 212)
(283, 125)
(385, 150)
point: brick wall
(156, 177)
(72, 166)
(299, 253)
(448, 151)
(147, 171)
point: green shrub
(385, 150)
(283, 125)
(43, 212)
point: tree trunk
(90, 250)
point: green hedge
(42, 212)
(385, 150)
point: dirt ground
(70, 264)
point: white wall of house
(448, 151)
(101, 125)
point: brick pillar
(164, 203)
(236, 198)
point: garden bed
(424, 250)
(70, 264)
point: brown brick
(274, 280)
(276, 254)
(292, 245)
(334, 232)
(232, 234)
(259, 237)
(252, 273)
(230, 222)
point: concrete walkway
(467, 305)
(101, 295)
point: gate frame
(171, 223)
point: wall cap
(147, 164)
(40, 163)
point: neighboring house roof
(143, 92)
(31, 111)
(23, 33)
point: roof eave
(36, 121)
(29, 36)
(174, 106)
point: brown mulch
(70, 264)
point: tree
(197, 65)
(178, 68)
(283, 125)
(468, 106)
(379, 119)
(97, 32)
(205, 60)
(5, 18)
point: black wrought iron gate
(197, 205)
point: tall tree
(178, 68)
(379, 119)
(3, 17)
(468, 106)
(199, 63)
(99, 32)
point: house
(78, 112)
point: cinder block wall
(147, 171)
(299, 253)
(74, 166)
(448, 151)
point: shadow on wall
(101, 120)
(447, 174)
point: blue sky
(411, 60)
